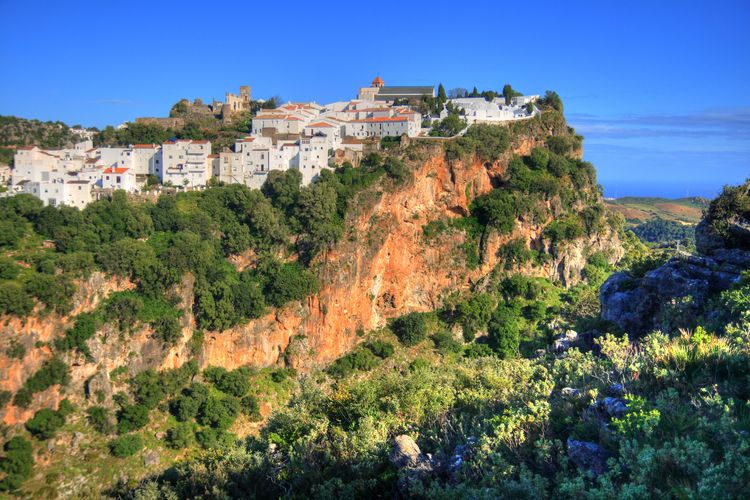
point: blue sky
(659, 89)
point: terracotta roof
(144, 146)
(92, 160)
(200, 141)
(213, 156)
(248, 139)
(351, 140)
(378, 81)
(26, 148)
(320, 124)
(112, 170)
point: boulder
(570, 392)
(588, 456)
(151, 459)
(406, 453)
(615, 407)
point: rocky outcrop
(411, 463)
(639, 306)
(588, 456)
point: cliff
(381, 268)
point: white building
(185, 163)
(479, 110)
(119, 178)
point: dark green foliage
(282, 374)
(14, 300)
(235, 383)
(284, 282)
(250, 407)
(563, 230)
(126, 446)
(552, 99)
(219, 412)
(476, 350)
(186, 406)
(76, 337)
(664, 231)
(131, 417)
(100, 419)
(23, 398)
(210, 438)
(127, 258)
(515, 253)
(728, 209)
(445, 343)
(52, 372)
(181, 436)
(496, 209)
(410, 328)
(147, 388)
(380, 348)
(361, 359)
(45, 423)
(15, 350)
(16, 464)
(8, 268)
(5, 397)
(504, 331)
(167, 328)
(488, 142)
(448, 126)
(54, 292)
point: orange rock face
(382, 268)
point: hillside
(636, 210)
(280, 340)
(15, 132)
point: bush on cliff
(410, 328)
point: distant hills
(637, 210)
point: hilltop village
(306, 136)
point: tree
(16, 464)
(504, 331)
(45, 423)
(181, 436)
(100, 419)
(131, 417)
(410, 328)
(553, 100)
(457, 93)
(126, 446)
(441, 97)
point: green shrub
(54, 291)
(148, 388)
(5, 397)
(8, 268)
(476, 350)
(52, 372)
(14, 300)
(187, 405)
(445, 343)
(126, 446)
(219, 412)
(380, 348)
(100, 419)
(16, 464)
(76, 337)
(23, 398)
(181, 436)
(504, 331)
(249, 406)
(16, 350)
(131, 417)
(282, 374)
(45, 423)
(410, 328)
(361, 359)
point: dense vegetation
(666, 232)
(482, 383)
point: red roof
(26, 148)
(112, 170)
(378, 81)
(200, 141)
(144, 146)
(320, 124)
